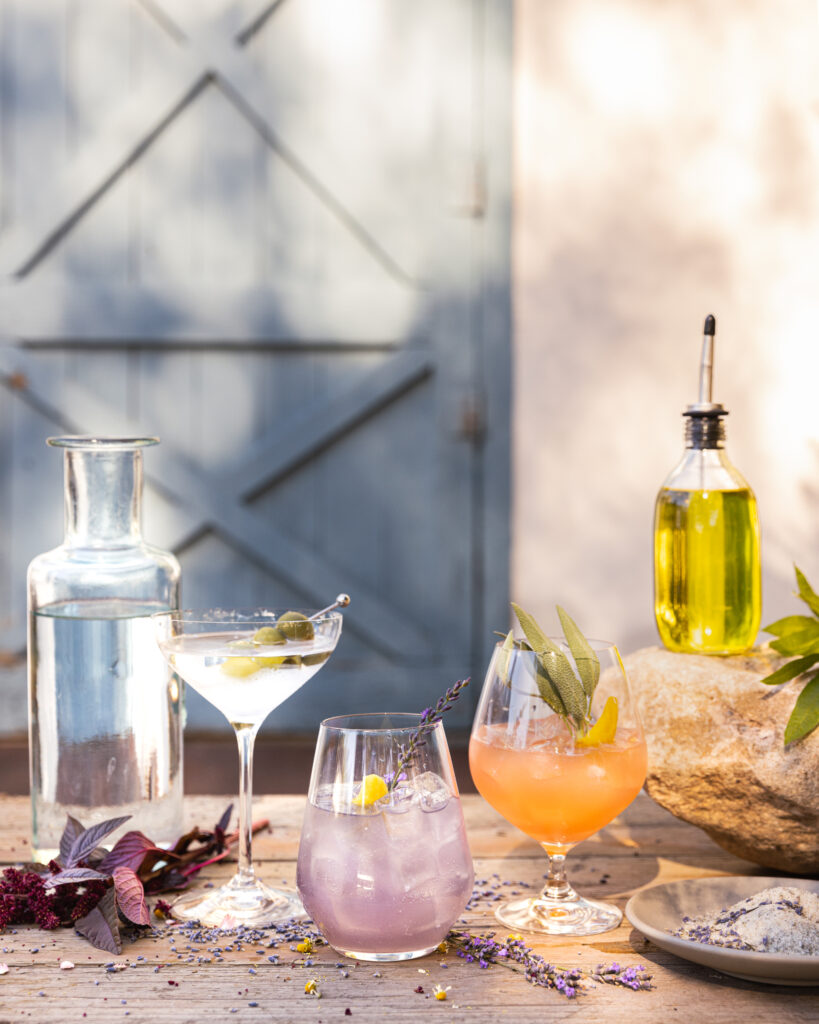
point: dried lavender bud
(429, 719)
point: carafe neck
(103, 497)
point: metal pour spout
(707, 360)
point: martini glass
(246, 662)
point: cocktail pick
(340, 602)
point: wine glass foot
(253, 905)
(576, 916)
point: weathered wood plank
(291, 440)
(201, 493)
(280, 313)
(201, 990)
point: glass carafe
(105, 722)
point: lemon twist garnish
(604, 729)
(372, 788)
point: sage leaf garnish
(798, 636)
(805, 715)
(548, 691)
(507, 648)
(588, 664)
(538, 640)
(563, 679)
(558, 685)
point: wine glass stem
(246, 737)
(557, 885)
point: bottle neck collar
(704, 431)
(103, 497)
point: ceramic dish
(659, 911)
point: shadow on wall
(267, 255)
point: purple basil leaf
(101, 925)
(129, 851)
(131, 896)
(74, 875)
(72, 829)
(224, 821)
(87, 841)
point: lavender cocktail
(384, 868)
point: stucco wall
(666, 166)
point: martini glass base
(569, 916)
(251, 904)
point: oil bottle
(707, 587)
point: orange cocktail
(557, 748)
(554, 793)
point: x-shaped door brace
(216, 502)
(207, 50)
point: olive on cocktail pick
(295, 626)
(269, 635)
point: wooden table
(643, 847)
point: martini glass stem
(246, 737)
(557, 884)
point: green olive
(239, 667)
(244, 645)
(269, 635)
(316, 659)
(270, 662)
(295, 626)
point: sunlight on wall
(667, 166)
(621, 60)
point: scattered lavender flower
(516, 955)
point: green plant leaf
(557, 667)
(790, 624)
(790, 670)
(805, 715)
(801, 642)
(548, 691)
(505, 657)
(806, 592)
(559, 671)
(588, 664)
(531, 630)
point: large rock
(716, 754)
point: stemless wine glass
(384, 867)
(526, 762)
(246, 663)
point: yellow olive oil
(707, 570)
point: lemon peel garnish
(372, 788)
(604, 729)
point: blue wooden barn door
(275, 234)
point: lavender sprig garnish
(429, 719)
(517, 956)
